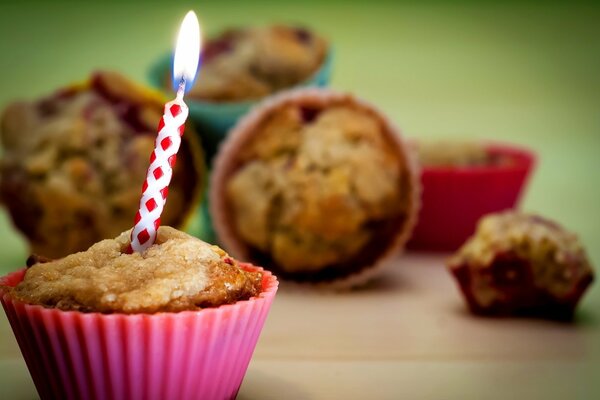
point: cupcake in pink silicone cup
(179, 320)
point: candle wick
(181, 89)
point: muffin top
(555, 256)
(453, 153)
(246, 64)
(319, 192)
(74, 163)
(179, 272)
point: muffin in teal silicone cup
(241, 66)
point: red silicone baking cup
(187, 355)
(453, 199)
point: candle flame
(187, 52)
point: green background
(526, 73)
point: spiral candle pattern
(158, 177)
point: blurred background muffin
(462, 181)
(247, 64)
(453, 153)
(74, 163)
(317, 186)
(242, 65)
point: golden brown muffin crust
(74, 163)
(179, 272)
(317, 188)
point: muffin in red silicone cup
(178, 321)
(317, 186)
(462, 181)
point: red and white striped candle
(168, 140)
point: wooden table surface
(408, 335)
(517, 71)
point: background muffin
(316, 185)
(74, 163)
(241, 66)
(453, 153)
(250, 63)
(463, 181)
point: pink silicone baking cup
(187, 355)
(454, 199)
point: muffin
(251, 63)
(178, 273)
(315, 185)
(455, 154)
(463, 181)
(522, 264)
(243, 65)
(179, 320)
(74, 163)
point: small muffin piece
(250, 63)
(178, 272)
(74, 163)
(522, 264)
(315, 185)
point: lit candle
(170, 129)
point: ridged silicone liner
(226, 163)
(187, 355)
(454, 199)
